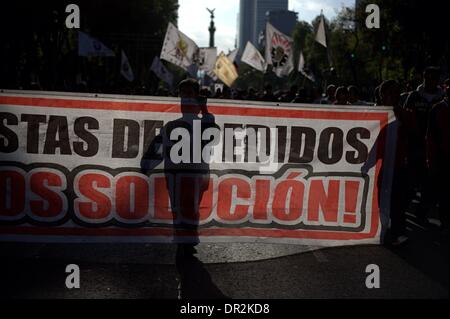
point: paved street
(418, 269)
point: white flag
(321, 36)
(232, 55)
(279, 51)
(161, 72)
(252, 57)
(125, 68)
(302, 70)
(178, 48)
(89, 46)
(207, 59)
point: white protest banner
(87, 168)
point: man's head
(189, 88)
(353, 94)
(377, 95)
(390, 93)
(431, 78)
(251, 91)
(331, 91)
(189, 94)
(341, 96)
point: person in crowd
(377, 96)
(205, 92)
(437, 158)
(226, 93)
(406, 93)
(251, 94)
(353, 96)
(239, 94)
(301, 97)
(420, 102)
(268, 95)
(218, 94)
(290, 95)
(331, 95)
(341, 96)
(316, 96)
(401, 192)
(278, 94)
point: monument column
(212, 28)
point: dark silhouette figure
(187, 179)
(400, 190)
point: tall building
(261, 9)
(252, 19)
(246, 22)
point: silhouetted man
(341, 96)
(420, 102)
(186, 178)
(438, 159)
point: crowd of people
(421, 162)
(295, 94)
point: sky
(193, 18)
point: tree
(36, 41)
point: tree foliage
(413, 35)
(36, 44)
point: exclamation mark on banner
(351, 200)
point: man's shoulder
(440, 107)
(415, 100)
